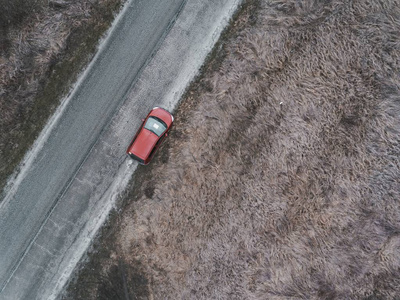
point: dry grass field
(281, 178)
(44, 44)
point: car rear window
(155, 125)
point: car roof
(144, 143)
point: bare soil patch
(281, 177)
(44, 45)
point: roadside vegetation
(44, 44)
(281, 177)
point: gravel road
(65, 191)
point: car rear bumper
(138, 159)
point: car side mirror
(166, 134)
(142, 120)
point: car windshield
(155, 125)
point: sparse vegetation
(12, 13)
(44, 45)
(281, 177)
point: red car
(150, 135)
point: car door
(159, 142)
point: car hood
(163, 115)
(144, 143)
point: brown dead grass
(41, 56)
(281, 177)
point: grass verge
(280, 178)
